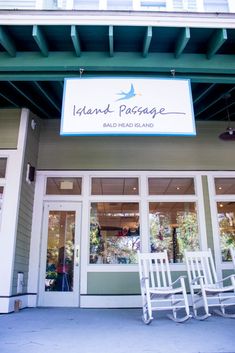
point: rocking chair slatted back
(232, 252)
(155, 266)
(201, 264)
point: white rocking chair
(206, 290)
(232, 252)
(157, 289)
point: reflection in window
(1, 200)
(171, 186)
(114, 186)
(60, 251)
(114, 233)
(63, 186)
(3, 165)
(226, 221)
(174, 227)
(225, 186)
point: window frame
(214, 199)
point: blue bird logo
(127, 95)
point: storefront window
(114, 186)
(63, 186)
(114, 233)
(3, 165)
(171, 186)
(174, 227)
(225, 186)
(226, 220)
(1, 199)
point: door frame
(65, 299)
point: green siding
(22, 249)
(9, 128)
(102, 283)
(121, 283)
(203, 152)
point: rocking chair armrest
(225, 278)
(178, 279)
(143, 279)
(196, 279)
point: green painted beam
(111, 46)
(29, 99)
(58, 76)
(64, 62)
(40, 40)
(217, 40)
(147, 41)
(7, 42)
(182, 41)
(37, 84)
(203, 93)
(76, 40)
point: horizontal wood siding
(22, 250)
(9, 128)
(202, 152)
(20, 4)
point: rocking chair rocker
(157, 289)
(206, 290)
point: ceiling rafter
(217, 40)
(111, 41)
(9, 100)
(76, 40)
(7, 42)
(29, 99)
(182, 41)
(217, 99)
(40, 39)
(203, 93)
(147, 40)
(37, 84)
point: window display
(114, 233)
(173, 227)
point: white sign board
(127, 106)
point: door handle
(77, 255)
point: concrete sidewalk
(69, 330)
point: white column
(231, 5)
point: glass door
(59, 273)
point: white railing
(114, 5)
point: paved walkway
(69, 330)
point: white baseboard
(10, 304)
(110, 301)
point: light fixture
(229, 133)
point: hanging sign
(127, 106)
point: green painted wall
(110, 283)
(203, 152)
(22, 247)
(9, 128)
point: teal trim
(40, 40)
(147, 41)
(111, 41)
(76, 40)
(182, 41)
(158, 63)
(7, 42)
(217, 40)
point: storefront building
(74, 210)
